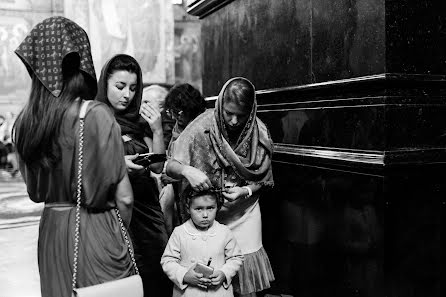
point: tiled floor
(19, 274)
(19, 227)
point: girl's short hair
(189, 194)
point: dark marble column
(353, 92)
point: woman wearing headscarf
(120, 87)
(57, 56)
(229, 150)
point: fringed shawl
(204, 145)
(251, 157)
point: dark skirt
(149, 235)
(103, 253)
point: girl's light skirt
(255, 274)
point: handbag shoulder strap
(82, 114)
(83, 109)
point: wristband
(249, 191)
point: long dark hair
(36, 130)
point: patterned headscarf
(48, 43)
(251, 157)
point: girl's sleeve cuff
(181, 272)
(228, 281)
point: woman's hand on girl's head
(198, 180)
(132, 167)
(152, 115)
(196, 279)
(234, 193)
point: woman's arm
(197, 178)
(124, 200)
(158, 148)
(235, 193)
(149, 143)
(153, 117)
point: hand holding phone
(149, 158)
(196, 278)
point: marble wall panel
(348, 39)
(265, 41)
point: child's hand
(217, 278)
(196, 279)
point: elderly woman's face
(155, 98)
(121, 89)
(235, 116)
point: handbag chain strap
(82, 113)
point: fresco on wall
(143, 30)
(32, 5)
(17, 17)
(16, 4)
(187, 53)
(14, 79)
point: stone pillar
(353, 93)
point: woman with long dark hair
(57, 55)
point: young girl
(203, 240)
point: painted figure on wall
(13, 75)
(140, 29)
(187, 54)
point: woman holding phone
(120, 87)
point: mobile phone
(149, 158)
(203, 269)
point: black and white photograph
(222, 148)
